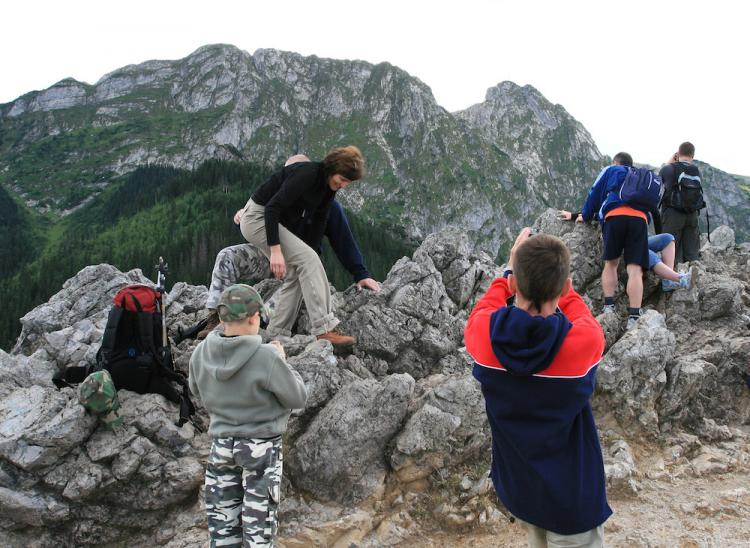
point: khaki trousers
(541, 538)
(305, 277)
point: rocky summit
(394, 442)
(486, 168)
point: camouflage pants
(243, 487)
(234, 264)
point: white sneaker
(608, 309)
(632, 320)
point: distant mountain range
(489, 168)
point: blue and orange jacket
(603, 195)
(537, 376)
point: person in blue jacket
(624, 232)
(536, 347)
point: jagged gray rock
(340, 456)
(722, 238)
(65, 479)
(444, 431)
(84, 298)
(632, 374)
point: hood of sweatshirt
(225, 356)
(526, 344)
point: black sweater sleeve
(294, 186)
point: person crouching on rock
(286, 219)
(249, 391)
(536, 361)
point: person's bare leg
(609, 277)
(634, 288)
(663, 271)
(667, 256)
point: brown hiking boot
(213, 321)
(337, 339)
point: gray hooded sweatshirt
(247, 389)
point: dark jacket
(603, 196)
(343, 243)
(669, 174)
(299, 198)
(537, 376)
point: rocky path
(687, 512)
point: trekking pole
(163, 269)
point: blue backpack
(641, 189)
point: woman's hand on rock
(368, 283)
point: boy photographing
(536, 361)
(249, 391)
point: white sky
(642, 76)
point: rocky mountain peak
(487, 168)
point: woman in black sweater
(286, 219)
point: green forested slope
(18, 240)
(157, 211)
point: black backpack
(133, 352)
(687, 193)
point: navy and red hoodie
(537, 376)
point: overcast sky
(642, 76)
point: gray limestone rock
(620, 468)
(632, 376)
(322, 374)
(684, 380)
(410, 323)
(444, 431)
(340, 456)
(31, 509)
(39, 426)
(722, 237)
(86, 296)
(64, 479)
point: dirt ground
(687, 512)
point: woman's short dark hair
(541, 265)
(345, 161)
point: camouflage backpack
(97, 393)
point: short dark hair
(541, 265)
(345, 161)
(624, 159)
(686, 149)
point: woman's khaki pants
(305, 277)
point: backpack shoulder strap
(146, 331)
(109, 338)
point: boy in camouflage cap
(249, 391)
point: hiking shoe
(337, 339)
(687, 281)
(667, 286)
(632, 320)
(608, 309)
(213, 321)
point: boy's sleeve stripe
(578, 376)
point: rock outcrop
(399, 416)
